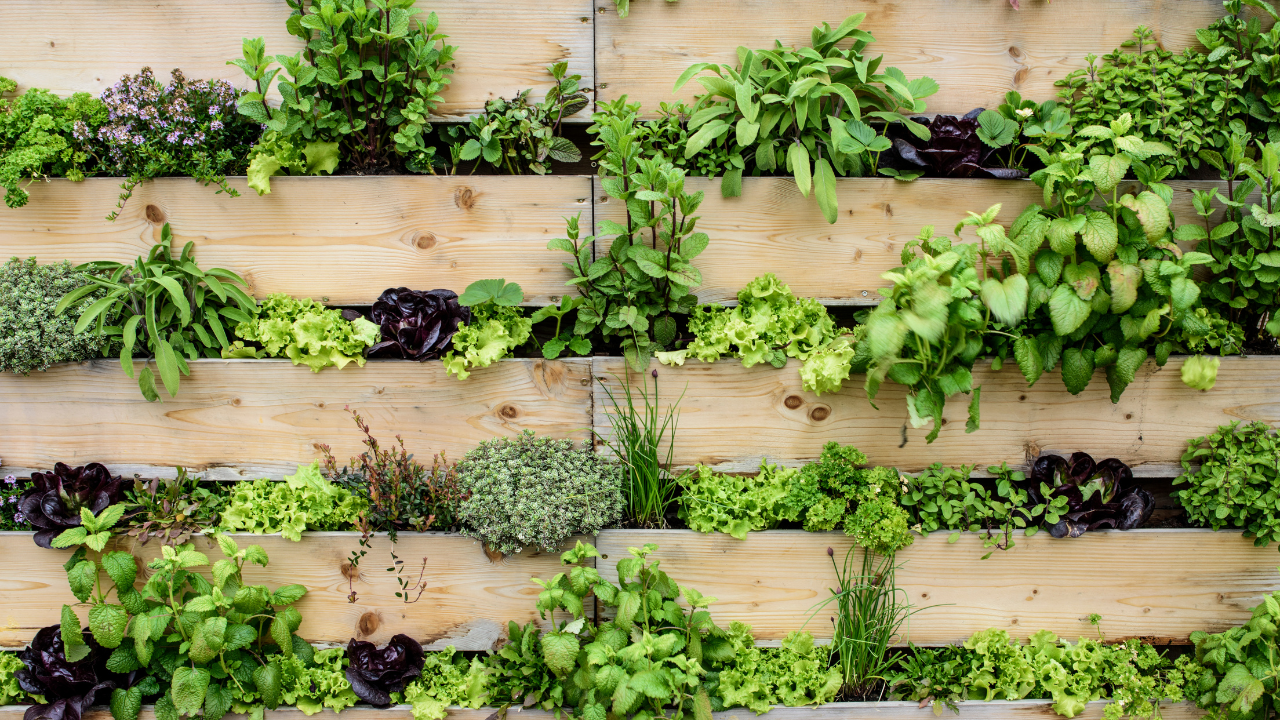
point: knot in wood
(368, 624)
(155, 215)
(464, 198)
(424, 240)
(793, 401)
(349, 572)
(820, 413)
(510, 412)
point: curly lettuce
(306, 332)
(770, 325)
(796, 674)
(319, 684)
(736, 504)
(448, 679)
(305, 500)
(495, 331)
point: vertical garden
(639, 360)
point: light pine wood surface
(976, 50)
(244, 419)
(731, 416)
(81, 49)
(342, 240)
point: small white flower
(1025, 113)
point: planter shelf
(244, 419)
(1156, 584)
(344, 240)
(887, 710)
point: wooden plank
(467, 603)
(1160, 585)
(733, 416)
(237, 419)
(79, 48)
(342, 239)
(886, 710)
(976, 50)
(772, 228)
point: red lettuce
(68, 687)
(417, 324)
(53, 503)
(953, 149)
(1099, 494)
(376, 673)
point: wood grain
(238, 419)
(772, 228)
(1157, 584)
(976, 50)
(341, 239)
(80, 47)
(732, 417)
(887, 710)
(467, 603)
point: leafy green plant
(805, 110)
(1245, 287)
(736, 504)
(1233, 480)
(838, 490)
(1017, 123)
(367, 81)
(632, 293)
(204, 643)
(496, 328)
(941, 499)
(163, 306)
(10, 691)
(795, 674)
(1111, 286)
(769, 324)
(32, 335)
(306, 500)
(311, 686)
(531, 491)
(1132, 675)
(648, 661)
(649, 486)
(1234, 673)
(448, 679)
(172, 509)
(520, 136)
(624, 7)
(870, 611)
(43, 136)
(304, 331)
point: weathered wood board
(1160, 585)
(773, 228)
(886, 710)
(342, 240)
(81, 48)
(976, 50)
(243, 419)
(731, 417)
(469, 598)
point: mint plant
(205, 644)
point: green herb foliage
(769, 324)
(796, 674)
(1111, 286)
(1017, 124)
(171, 510)
(304, 331)
(32, 335)
(650, 488)
(648, 661)
(1234, 674)
(497, 327)
(306, 500)
(39, 138)
(805, 110)
(1236, 483)
(311, 686)
(947, 499)
(519, 136)
(362, 90)
(162, 306)
(1133, 675)
(204, 644)
(531, 491)
(448, 680)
